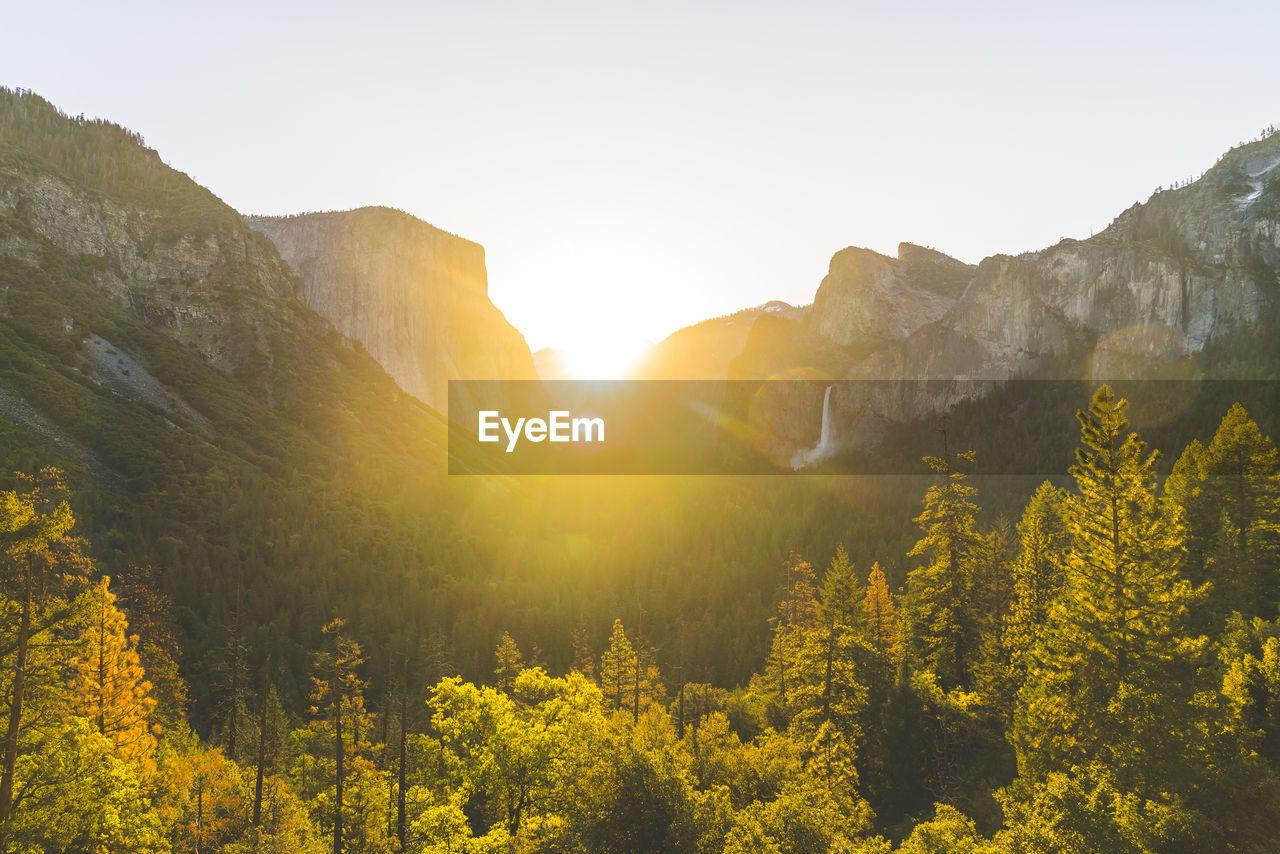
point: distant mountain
(416, 297)
(1190, 265)
(1184, 285)
(704, 350)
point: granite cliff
(415, 296)
(1191, 267)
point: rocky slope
(154, 241)
(868, 294)
(416, 297)
(1190, 267)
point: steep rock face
(866, 293)
(1166, 276)
(416, 297)
(1190, 266)
(211, 283)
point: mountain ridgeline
(1184, 286)
(1191, 266)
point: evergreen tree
(1043, 539)
(617, 668)
(1110, 714)
(828, 698)
(994, 592)
(1037, 578)
(510, 662)
(38, 562)
(583, 657)
(150, 616)
(109, 684)
(940, 592)
(797, 614)
(1119, 622)
(827, 690)
(878, 607)
(338, 706)
(1229, 493)
(840, 599)
(233, 682)
(270, 742)
(646, 684)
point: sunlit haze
(632, 169)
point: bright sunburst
(599, 293)
(601, 356)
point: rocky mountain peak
(869, 294)
(1193, 264)
(414, 295)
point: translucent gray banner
(855, 427)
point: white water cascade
(825, 446)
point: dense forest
(1102, 674)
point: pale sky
(632, 168)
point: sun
(595, 294)
(603, 356)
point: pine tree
(797, 614)
(402, 760)
(617, 667)
(994, 593)
(338, 706)
(1043, 539)
(110, 686)
(828, 698)
(1037, 577)
(271, 739)
(233, 682)
(1123, 737)
(878, 606)
(510, 662)
(944, 617)
(1229, 493)
(40, 567)
(1114, 663)
(646, 680)
(840, 600)
(150, 616)
(583, 657)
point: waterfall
(826, 444)
(824, 439)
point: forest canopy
(1101, 673)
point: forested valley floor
(1102, 675)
